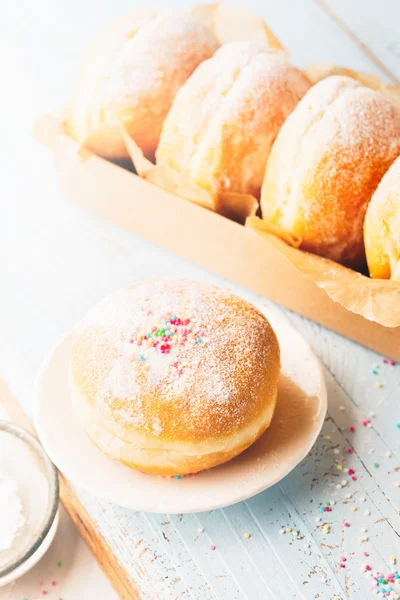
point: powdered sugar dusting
(170, 350)
(327, 161)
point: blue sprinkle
(398, 425)
(322, 508)
(173, 319)
(141, 357)
(380, 579)
(374, 371)
(177, 477)
(148, 335)
(171, 333)
(198, 340)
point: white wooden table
(56, 261)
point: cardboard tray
(202, 236)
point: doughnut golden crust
(224, 119)
(382, 227)
(174, 404)
(132, 73)
(326, 163)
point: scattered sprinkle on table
(388, 454)
(354, 508)
(212, 547)
(288, 529)
(376, 465)
(200, 530)
(59, 563)
(247, 535)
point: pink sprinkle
(343, 559)
(384, 360)
(352, 428)
(387, 594)
(367, 568)
(342, 565)
(351, 471)
(328, 509)
(179, 372)
(131, 341)
(365, 554)
(346, 524)
(366, 422)
(139, 343)
(154, 328)
(392, 363)
(350, 450)
(54, 583)
(44, 592)
(212, 547)
(354, 478)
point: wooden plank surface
(59, 261)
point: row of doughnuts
(240, 118)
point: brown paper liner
(375, 299)
(234, 206)
(231, 23)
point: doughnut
(224, 119)
(382, 227)
(325, 164)
(131, 74)
(170, 376)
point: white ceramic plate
(299, 415)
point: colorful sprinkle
(346, 524)
(339, 467)
(59, 563)
(247, 535)
(212, 547)
(352, 428)
(350, 450)
(353, 508)
(376, 465)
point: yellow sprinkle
(392, 559)
(288, 529)
(354, 508)
(327, 437)
(397, 484)
(247, 535)
(339, 467)
(379, 384)
(326, 529)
